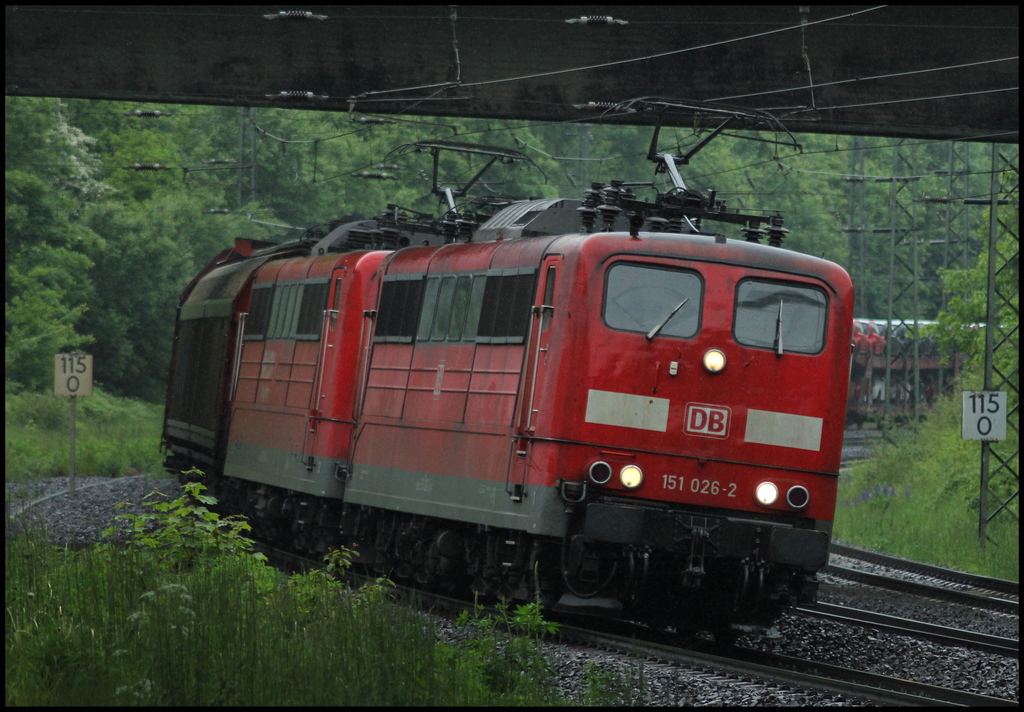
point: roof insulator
(217, 211)
(753, 232)
(374, 175)
(147, 113)
(295, 95)
(219, 161)
(147, 167)
(360, 119)
(595, 106)
(776, 233)
(596, 20)
(295, 15)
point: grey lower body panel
(284, 468)
(539, 511)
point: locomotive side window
(259, 312)
(767, 312)
(429, 306)
(639, 297)
(490, 309)
(399, 313)
(284, 328)
(460, 305)
(444, 309)
(286, 311)
(505, 309)
(281, 310)
(311, 310)
(476, 302)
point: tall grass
(109, 627)
(115, 436)
(919, 499)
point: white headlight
(631, 476)
(714, 360)
(766, 493)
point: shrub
(185, 533)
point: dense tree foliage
(97, 254)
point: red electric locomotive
(645, 423)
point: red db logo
(710, 421)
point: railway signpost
(72, 376)
(984, 415)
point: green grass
(102, 628)
(116, 626)
(919, 499)
(187, 616)
(115, 436)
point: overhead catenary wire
(621, 62)
(905, 101)
(861, 80)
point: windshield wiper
(778, 332)
(654, 332)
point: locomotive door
(534, 369)
(330, 343)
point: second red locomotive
(645, 423)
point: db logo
(710, 421)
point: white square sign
(984, 415)
(72, 374)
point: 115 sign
(72, 374)
(984, 415)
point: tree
(50, 175)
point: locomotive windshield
(785, 317)
(639, 297)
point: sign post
(72, 376)
(984, 416)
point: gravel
(665, 684)
(894, 655)
(80, 520)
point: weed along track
(678, 660)
(583, 663)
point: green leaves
(184, 533)
(508, 663)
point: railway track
(775, 669)
(930, 581)
(858, 445)
(944, 635)
(745, 665)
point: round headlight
(766, 493)
(631, 476)
(797, 497)
(714, 360)
(600, 473)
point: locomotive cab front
(696, 422)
